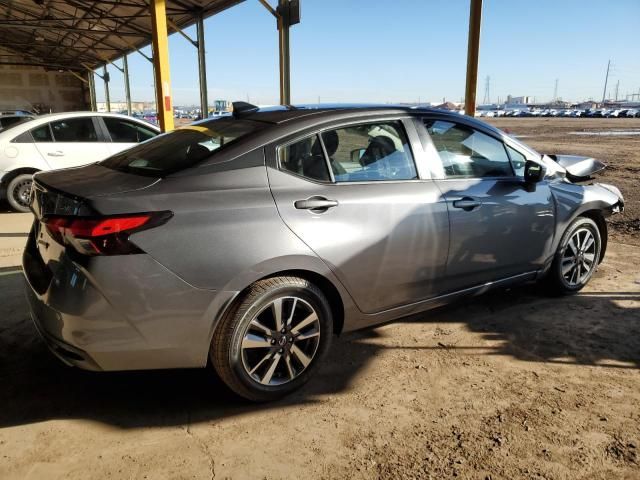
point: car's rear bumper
(119, 313)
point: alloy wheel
(280, 341)
(22, 193)
(579, 258)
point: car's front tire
(273, 338)
(577, 257)
(19, 192)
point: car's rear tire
(577, 257)
(19, 191)
(273, 338)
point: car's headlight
(613, 189)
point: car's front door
(70, 142)
(500, 227)
(381, 229)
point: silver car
(251, 240)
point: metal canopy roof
(75, 34)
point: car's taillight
(107, 235)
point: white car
(62, 140)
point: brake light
(108, 235)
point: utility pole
(473, 48)
(617, 87)
(606, 79)
(555, 92)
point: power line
(606, 79)
(487, 96)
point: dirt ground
(510, 385)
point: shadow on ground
(590, 329)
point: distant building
(122, 106)
(522, 100)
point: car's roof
(36, 121)
(288, 114)
(61, 115)
(284, 113)
(17, 116)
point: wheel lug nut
(283, 330)
(280, 351)
(273, 341)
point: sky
(404, 51)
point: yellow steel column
(473, 48)
(160, 44)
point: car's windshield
(182, 148)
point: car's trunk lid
(66, 192)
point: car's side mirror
(533, 172)
(356, 155)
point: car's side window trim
(402, 119)
(327, 162)
(101, 128)
(435, 155)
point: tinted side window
(517, 161)
(124, 131)
(42, 134)
(7, 122)
(370, 152)
(305, 158)
(468, 153)
(74, 130)
(183, 148)
(24, 137)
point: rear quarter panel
(226, 232)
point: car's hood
(578, 167)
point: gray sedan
(252, 239)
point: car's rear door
(70, 142)
(500, 227)
(125, 133)
(379, 225)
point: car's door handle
(319, 204)
(467, 203)
(57, 153)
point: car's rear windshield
(182, 148)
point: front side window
(125, 131)
(468, 153)
(74, 130)
(517, 160)
(370, 152)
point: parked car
(7, 121)
(251, 239)
(62, 140)
(17, 112)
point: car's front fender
(572, 201)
